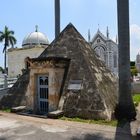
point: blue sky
(22, 16)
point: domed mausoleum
(32, 46)
(35, 38)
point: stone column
(57, 18)
(125, 108)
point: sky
(22, 16)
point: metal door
(43, 92)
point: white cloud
(134, 40)
(114, 38)
(135, 31)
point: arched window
(115, 60)
(98, 40)
(101, 52)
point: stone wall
(97, 97)
(3, 92)
(55, 79)
(24, 91)
(16, 95)
(135, 87)
(54, 69)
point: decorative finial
(98, 27)
(89, 35)
(36, 28)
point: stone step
(55, 114)
(18, 109)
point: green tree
(132, 63)
(1, 69)
(134, 71)
(7, 36)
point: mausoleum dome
(35, 38)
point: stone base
(125, 112)
(18, 109)
(55, 114)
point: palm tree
(125, 108)
(7, 37)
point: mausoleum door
(43, 91)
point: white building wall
(137, 62)
(17, 56)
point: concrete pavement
(17, 127)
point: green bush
(6, 110)
(136, 99)
(132, 63)
(134, 71)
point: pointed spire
(98, 27)
(89, 35)
(107, 33)
(36, 28)
(116, 39)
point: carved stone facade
(106, 50)
(54, 69)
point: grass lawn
(101, 122)
(136, 100)
(6, 110)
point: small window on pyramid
(75, 85)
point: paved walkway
(17, 127)
(136, 124)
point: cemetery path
(18, 127)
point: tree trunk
(5, 70)
(57, 18)
(125, 108)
